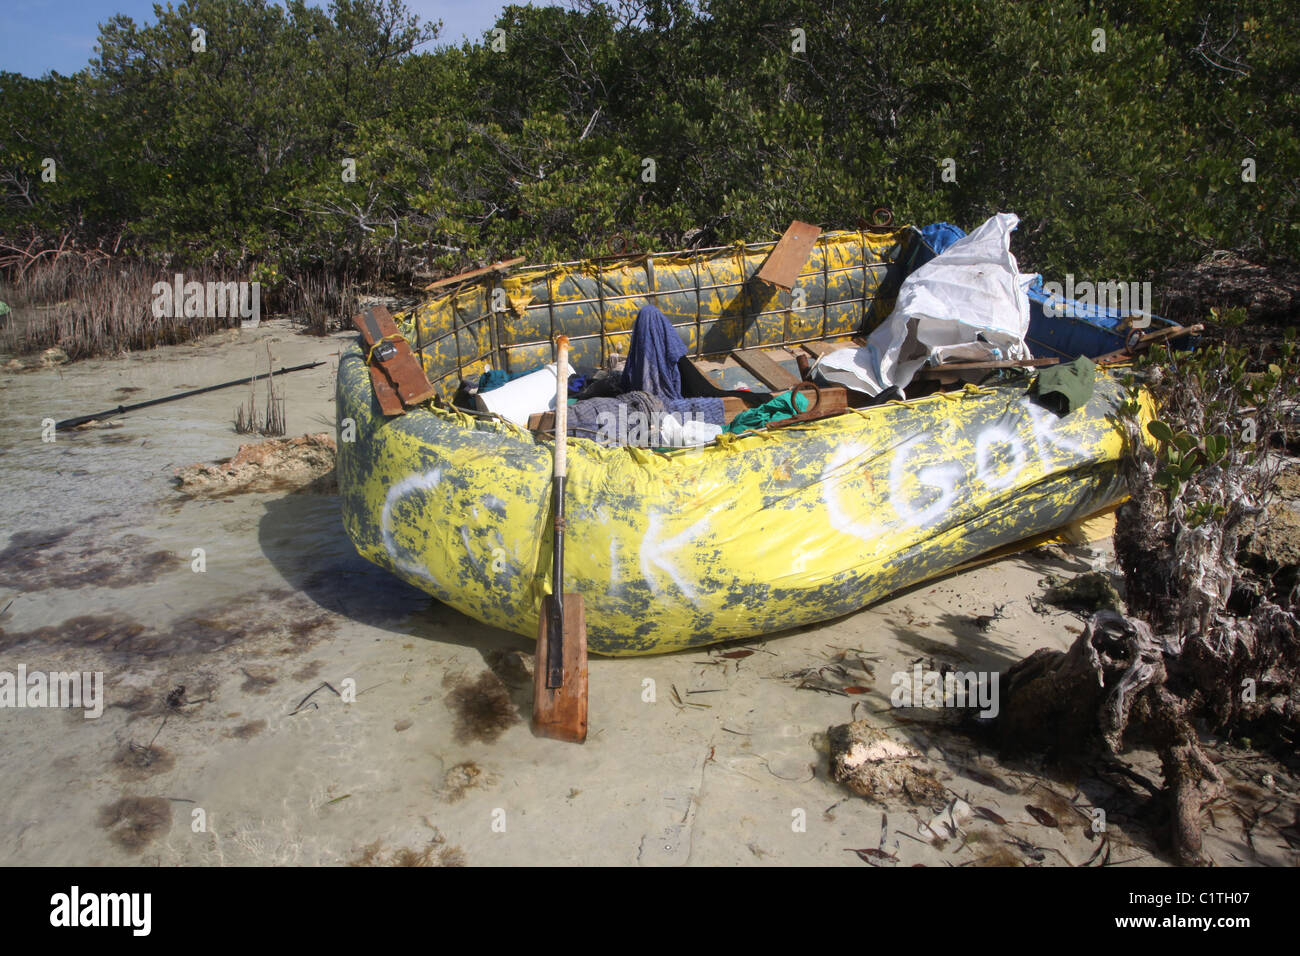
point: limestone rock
(302, 464)
(874, 765)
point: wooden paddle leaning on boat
(560, 668)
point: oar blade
(561, 712)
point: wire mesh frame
(498, 350)
(826, 273)
(498, 339)
(699, 325)
(499, 353)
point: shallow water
(292, 703)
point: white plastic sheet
(522, 397)
(968, 304)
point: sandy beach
(327, 713)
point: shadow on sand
(302, 536)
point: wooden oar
(123, 409)
(560, 670)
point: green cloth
(772, 411)
(1068, 386)
(495, 378)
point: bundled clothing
(642, 419)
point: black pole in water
(123, 409)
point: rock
(874, 765)
(302, 464)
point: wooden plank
(835, 399)
(766, 369)
(389, 403)
(950, 372)
(731, 407)
(822, 403)
(1146, 341)
(729, 375)
(818, 349)
(952, 367)
(787, 259)
(501, 266)
(545, 421)
(402, 368)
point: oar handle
(554, 663)
(561, 403)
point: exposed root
(1107, 691)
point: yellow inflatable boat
(751, 534)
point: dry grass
(324, 302)
(96, 301)
(270, 421)
(92, 305)
(89, 302)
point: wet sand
(258, 761)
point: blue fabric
(585, 416)
(708, 410)
(652, 357)
(1074, 309)
(940, 235)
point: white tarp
(967, 304)
(520, 398)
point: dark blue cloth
(652, 357)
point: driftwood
(1107, 691)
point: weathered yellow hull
(752, 535)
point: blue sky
(37, 36)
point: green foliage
(1118, 162)
(1220, 406)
